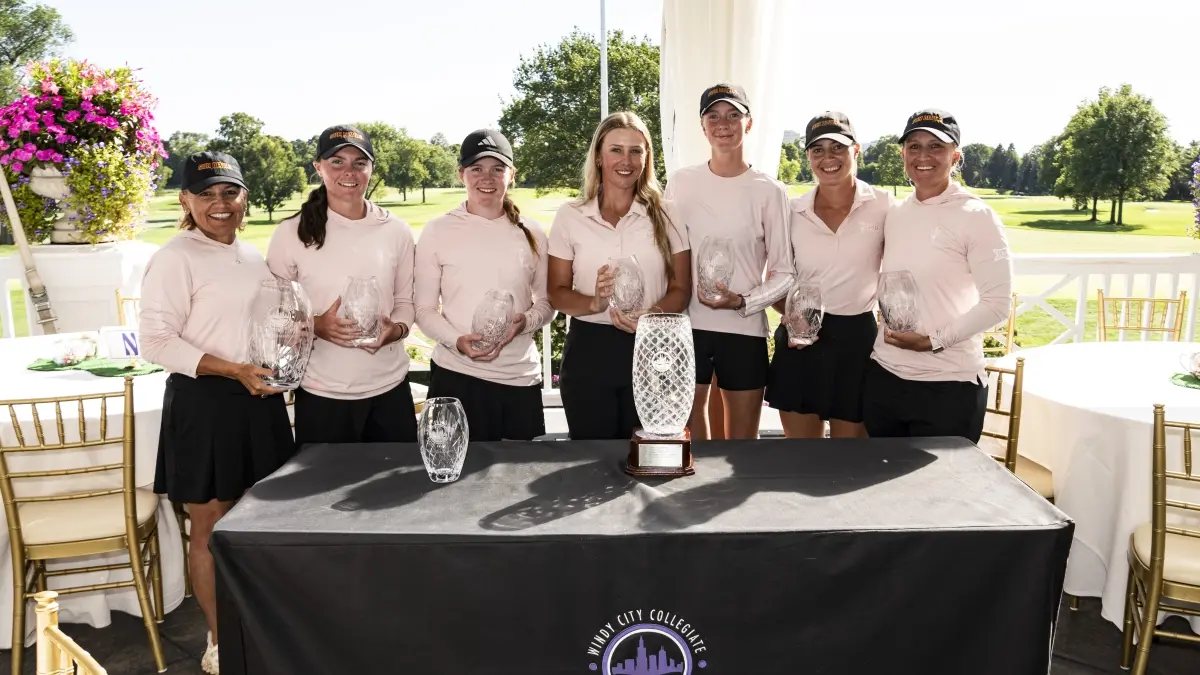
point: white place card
(120, 343)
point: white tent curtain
(738, 41)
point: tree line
(1115, 147)
(276, 169)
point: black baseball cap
(732, 93)
(484, 143)
(209, 168)
(937, 122)
(832, 125)
(337, 137)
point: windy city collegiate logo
(647, 642)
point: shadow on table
(381, 476)
(560, 494)
(837, 468)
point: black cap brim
(733, 102)
(486, 153)
(332, 151)
(199, 186)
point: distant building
(789, 136)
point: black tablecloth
(783, 556)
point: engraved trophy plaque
(664, 386)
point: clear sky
(1012, 71)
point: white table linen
(17, 382)
(1088, 417)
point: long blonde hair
(647, 191)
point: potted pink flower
(82, 144)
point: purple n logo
(130, 343)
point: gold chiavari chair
(1164, 558)
(1141, 314)
(81, 522)
(1001, 440)
(1005, 333)
(135, 305)
(57, 653)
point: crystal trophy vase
(897, 297)
(492, 319)
(281, 332)
(629, 285)
(664, 386)
(442, 436)
(715, 265)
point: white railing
(1146, 275)
(11, 269)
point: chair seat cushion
(81, 519)
(1036, 476)
(1181, 563)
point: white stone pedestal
(82, 282)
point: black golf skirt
(495, 412)
(825, 378)
(217, 439)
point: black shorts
(740, 361)
(894, 406)
(596, 382)
(495, 412)
(825, 378)
(384, 418)
(217, 439)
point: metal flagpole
(603, 62)
(37, 290)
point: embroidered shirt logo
(1001, 254)
(935, 233)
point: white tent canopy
(710, 41)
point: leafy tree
(272, 173)
(179, 146)
(975, 160)
(236, 135)
(28, 32)
(385, 140)
(1048, 169)
(440, 166)
(1117, 147)
(789, 168)
(557, 106)
(889, 167)
(1001, 169)
(407, 169)
(1081, 157)
(306, 152)
(1180, 188)
(1027, 172)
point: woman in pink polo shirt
(837, 241)
(931, 381)
(619, 213)
(485, 244)
(727, 198)
(222, 428)
(350, 394)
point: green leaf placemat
(1185, 380)
(98, 367)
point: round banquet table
(1087, 415)
(18, 382)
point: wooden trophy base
(654, 457)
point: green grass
(1035, 225)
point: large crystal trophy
(897, 296)
(715, 265)
(492, 319)
(442, 435)
(361, 304)
(803, 314)
(664, 386)
(629, 286)
(281, 332)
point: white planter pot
(48, 182)
(51, 184)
